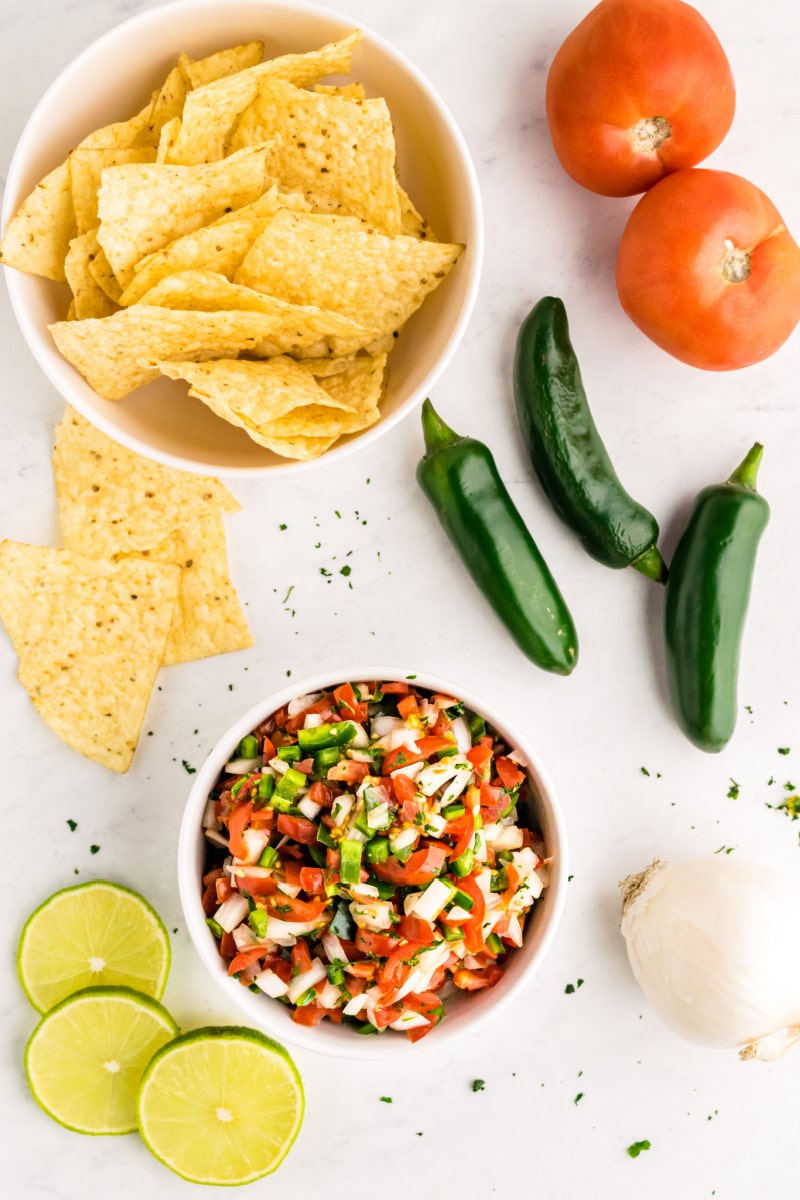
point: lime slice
(86, 1057)
(221, 1105)
(94, 934)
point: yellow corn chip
(208, 617)
(225, 62)
(122, 134)
(86, 167)
(142, 207)
(167, 138)
(211, 112)
(326, 261)
(89, 298)
(167, 105)
(349, 91)
(37, 237)
(412, 223)
(340, 154)
(360, 384)
(111, 500)
(304, 449)
(115, 354)
(100, 269)
(90, 635)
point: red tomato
(381, 944)
(414, 929)
(301, 957)
(348, 708)
(404, 789)
(421, 867)
(638, 89)
(299, 828)
(285, 909)
(237, 823)
(244, 958)
(707, 270)
(510, 774)
(472, 981)
(312, 879)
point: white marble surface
(717, 1127)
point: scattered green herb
(478, 1085)
(288, 594)
(573, 987)
(72, 824)
(188, 768)
(386, 1099)
(636, 1148)
(578, 1098)
(345, 570)
(783, 749)
(733, 790)
(727, 849)
(644, 770)
(788, 787)
(93, 849)
(282, 527)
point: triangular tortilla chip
(90, 635)
(111, 500)
(225, 62)
(89, 299)
(37, 237)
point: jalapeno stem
(651, 564)
(436, 433)
(747, 471)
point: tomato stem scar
(735, 263)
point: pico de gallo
(366, 858)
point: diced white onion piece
(421, 976)
(435, 823)
(216, 838)
(356, 1005)
(404, 736)
(278, 765)
(380, 726)
(457, 913)
(301, 983)
(544, 875)
(433, 900)
(330, 996)
(231, 913)
(472, 963)
(255, 840)
(409, 1020)
(363, 691)
(364, 891)
(341, 810)
(431, 777)
(404, 839)
(456, 786)
(359, 755)
(412, 770)
(479, 847)
(460, 731)
(277, 929)
(301, 703)
(243, 936)
(312, 721)
(271, 983)
(241, 766)
(518, 757)
(334, 950)
(378, 817)
(308, 808)
(375, 915)
(209, 815)
(289, 889)
(362, 737)
(508, 837)
(514, 933)
(237, 870)
(484, 882)
(491, 918)
(525, 861)
(410, 901)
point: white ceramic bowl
(112, 78)
(464, 1011)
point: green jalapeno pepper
(459, 477)
(567, 453)
(706, 600)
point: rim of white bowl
(31, 332)
(258, 1009)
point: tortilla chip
(211, 112)
(121, 134)
(111, 500)
(167, 139)
(225, 62)
(360, 384)
(86, 169)
(89, 298)
(208, 617)
(90, 635)
(115, 354)
(143, 207)
(304, 449)
(349, 91)
(37, 237)
(377, 281)
(100, 269)
(340, 154)
(412, 222)
(167, 105)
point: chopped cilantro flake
(636, 1148)
(282, 527)
(93, 849)
(573, 987)
(72, 824)
(478, 1085)
(788, 786)
(733, 790)
(644, 770)
(386, 1099)
(578, 1098)
(345, 570)
(188, 768)
(783, 749)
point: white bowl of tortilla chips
(251, 282)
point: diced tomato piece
(472, 981)
(396, 969)
(284, 908)
(237, 823)
(407, 706)
(299, 828)
(385, 1015)
(258, 885)
(309, 1014)
(428, 746)
(463, 830)
(427, 1003)
(262, 818)
(419, 1031)
(212, 876)
(473, 936)
(323, 707)
(292, 869)
(244, 958)
(395, 689)
(282, 968)
(305, 766)
(301, 957)
(410, 811)
(348, 771)
(227, 945)
(513, 881)
(401, 756)
(416, 930)
(210, 902)
(494, 801)
(381, 944)
(481, 754)
(363, 969)
(348, 708)
(268, 748)
(320, 794)
(510, 774)
(404, 788)
(421, 867)
(223, 889)
(312, 879)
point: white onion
(301, 703)
(243, 766)
(715, 946)
(460, 731)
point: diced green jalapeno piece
(258, 922)
(266, 787)
(306, 997)
(477, 727)
(269, 856)
(453, 811)
(289, 785)
(318, 854)
(350, 852)
(215, 927)
(320, 737)
(499, 880)
(464, 863)
(494, 944)
(326, 758)
(248, 747)
(335, 973)
(386, 891)
(290, 753)
(453, 933)
(463, 900)
(377, 850)
(325, 836)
